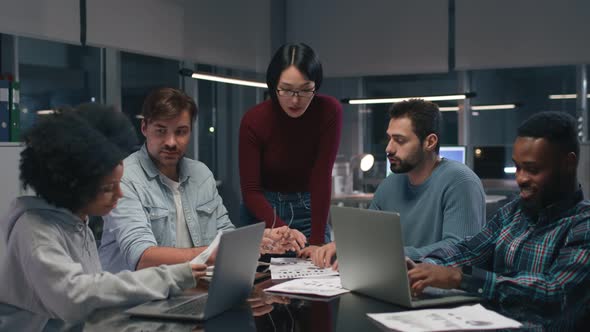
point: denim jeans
(293, 208)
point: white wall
(9, 175)
(57, 20)
(372, 37)
(153, 27)
(229, 33)
(523, 33)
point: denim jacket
(146, 214)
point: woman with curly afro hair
(49, 262)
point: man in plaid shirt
(535, 251)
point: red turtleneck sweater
(283, 154)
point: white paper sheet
(326, 286)
(204, 256)
(464, 318)
(294, 268)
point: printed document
(204, 256)
(326, 286)
(294, 268)
(464, 318)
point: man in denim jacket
(170, 210)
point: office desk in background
(363, 200)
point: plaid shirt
(542, 262)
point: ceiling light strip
(228, 80)
(566, 96)
(396, 100)
(493, 107)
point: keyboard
(436, 293)
(193, 307)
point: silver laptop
(235, 267)
(371, 259)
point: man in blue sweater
(440, 201)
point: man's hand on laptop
(324, 256)
(198, 270)
(423, 275)
(410, 264)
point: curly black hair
(113, 124)
(67, 154)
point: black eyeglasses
(291, 93)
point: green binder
(14, 106)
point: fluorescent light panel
(45, 112)
(510, 170)
(493, 107)
(228, 80)
(396, 100)
(449, 109)
(480, 107)
(566, 96)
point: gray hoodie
(49, 267)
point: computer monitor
(456, 153)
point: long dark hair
(299, 55)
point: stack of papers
(294, 268)
(465, 318)
(327, 286)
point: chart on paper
(325, 286)
(295, 268)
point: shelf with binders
(9, 109)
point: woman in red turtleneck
(288, 145)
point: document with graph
(295, 268)
(325, 286)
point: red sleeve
(250, 146)
(320, 183)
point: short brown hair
(167, 103)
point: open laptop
(235, 266)
(371, 259)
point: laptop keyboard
(436, 293)
(193, 307)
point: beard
(402, 167)
(406, 165)
(531, 207)
(552, 193)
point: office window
(207, 120)
(409, 86)
(140, 74)
(221, 107)
(54, 74)
(493, 131)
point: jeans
(293, 208)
